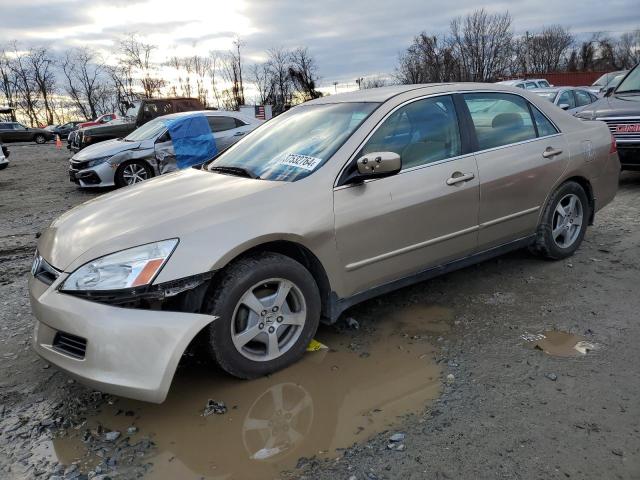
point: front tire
(564, 222)
(269, 310)
(39, 139)
(130, 173)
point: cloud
(349, 39)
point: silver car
(337, 200)
(149, 150)
(528, 84)
(570, 99)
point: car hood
(103, 149)
(613, 106)
(170, 206)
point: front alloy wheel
(268, 309)
(134, 173)
(268, 319)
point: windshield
(631, 84)
(603, 80)
(148, 131)
(296, 143)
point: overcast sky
(349, 38)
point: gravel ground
(507, 410)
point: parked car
(149, 151)
(331, 203)
(567, 98)
(101, 120)
(4, 157)
(528, 84)
(64, 130)
(16, 132)
(137, 115)
(608, 80)
(620, 109)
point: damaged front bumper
(132, 352)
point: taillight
(613, 148)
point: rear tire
(249, 342)
(39, 139)
(130, 173)
(564, 222)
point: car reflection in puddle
(330, 399)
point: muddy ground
(443, 367)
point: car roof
(207, 113)
(550, 89)
(382, 94)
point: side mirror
(564, 106)
(378, 164)
(609, 91)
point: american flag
(259, 109)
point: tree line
(482, 47)
(48, 88)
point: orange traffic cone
(58, 142)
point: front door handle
(238, 134)
(459, 177)
(551, 152)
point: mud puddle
(562, 344)
(329, 400)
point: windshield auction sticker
(301, 161)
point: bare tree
(25, 87)
(428, 59)
(201, 67)
(627, 49)
(543, 52)
(212, 72)
(87, 82)
(42, 70)
(261, 78)
(483, 44)
(137, 55)
(304, 73)
(8, 83)
(373, 82)
(282, 84)
(233, 96)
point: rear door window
(221, 124)
(530, 85)
(499, 119)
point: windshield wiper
(237, 171)
(633, 90)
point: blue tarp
(192, 140)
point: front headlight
(135, 267)
(97, 161)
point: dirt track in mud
(449, 364)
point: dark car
(66, 129)
(16, 132)
(620, 109)
(4, 157)
(137, 115)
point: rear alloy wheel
(131, 173)
(564, 222)
(269, 309)
(39, 139)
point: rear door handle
(459, 177)
(238, 134)
(551, 152)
